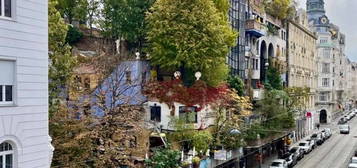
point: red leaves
(174, 91)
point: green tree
(190, 34)
(278, 8)
(236, 83)
(164, 158)
(62, 61)
(125, 19)
(275, 115)
(73, 10)
(274, 79)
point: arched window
(6, 155)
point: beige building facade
(302, 69)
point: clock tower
(316, 11)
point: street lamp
(260, 150)
(198, 75)
(177, 74)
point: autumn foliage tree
(190, 35)
(278, 8)
(230, 112)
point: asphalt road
(335, 152)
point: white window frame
(325, 82)
(8, 152)
(13, 102)
(2, 8)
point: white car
(352, 165)
(279, 163)
(344, 129)
(306, 146)
(327, 131)
(354, 160)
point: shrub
(73, 35)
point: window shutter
(7, 72)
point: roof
(84, 69)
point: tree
(274, 113)
(62, 62)
(230, 112)
(164, 158)
(71, 138)
(192, 35)
(278, 8)
(274, 79)
(236, 83)
(93, 12)
(73, 10)
(125, 19)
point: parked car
(312, 143)
(344, 129)
(306, 146)
(279, 163)
(342, 120)
(355, 111)
(318, 137)
(323, 135)
(348, 117)
(353, 159)
(291, 159)
(298, 152)
(353, 163)
(327, 132)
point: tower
(315, 10)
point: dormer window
(5, 8)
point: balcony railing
(255, 28)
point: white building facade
(24, 132)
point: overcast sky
(343, 13)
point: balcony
(255, 28)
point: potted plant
(196, 162)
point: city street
(335, 152)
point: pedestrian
(318, 126)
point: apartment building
(24, 137)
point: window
(188, 113)
(7, 82)
(324, 96)
(128, 76)
(325, 68)
(325, 82)
(143, 77)
(155, 113)
(257, 64)
(87, 83)
(323, 40)
(5, 8)
(326, 53)
(6, 155)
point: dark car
(318, 138)
(342, 120)
(298, 152)
(291, 159)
